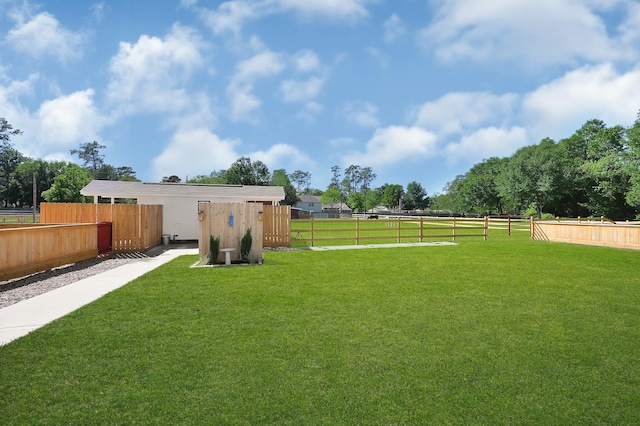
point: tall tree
(335, 177)
(214, 177)
(301, 179)
(10, 159)
(92, 158)
(7, 130)
(331, 196)
(479, 189)
(533, 176)
(393, 193)
(66, 186)
(633, 138)
(415, 197)
(245, 172)
(21, 187)
(280, 178)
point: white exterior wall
(180, 214)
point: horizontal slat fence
(134, 227)
(33, 248)
(385, 230)
(620, 235)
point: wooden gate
(277, 226)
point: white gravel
(19, 289)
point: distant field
(327, 232)
(505, 331)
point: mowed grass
(508, 331)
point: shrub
(245, 245)
(214, 249)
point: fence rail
(28, 249)
(398, 229)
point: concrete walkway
(23, 317)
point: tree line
(594, 172)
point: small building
(180, 200)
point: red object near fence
(104, 237)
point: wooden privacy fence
(134, 227)
(277, 226)
(229, 222)
(385, 230)
(28, 249)
(620, 235)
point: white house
(180, 200)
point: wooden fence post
(486, 227)
(311, 231)
(454, 228)
(357, 231)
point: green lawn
(508, 331)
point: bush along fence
(382, 230)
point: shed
(180, 200)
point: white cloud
(310, 112)
(42, 35)
(306, 60)
(231, 16)
(486, 142)
(68, 120)
(362, 114)
(240, 90)
(148, 76)
(380, 57)
(281, 156)
(301, 91)
(458, 111)
(336, 9)
(342, 142)
(630, 28)
(97, 11)
(536, 33)
(195, 151)
(393, 29)
(393, 145)
(558, 108)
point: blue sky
(415, 89)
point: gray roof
(306, 198)
(123, 189)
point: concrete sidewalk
(23, 317)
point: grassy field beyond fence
(505, 331)
(404, 229)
